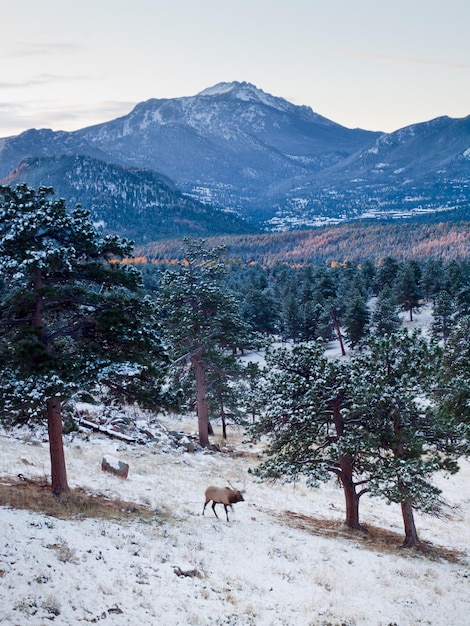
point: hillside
(150, 557)
(353, 242)
(423, 168)
(136, 203)
(283, 559)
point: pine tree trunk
(411, 534)
(56, 447)
(350, 495)
(54, 412)
(38, 283)
(201, 402)
(345, 475)
(224, 423)
(338, 332)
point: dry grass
(36, 495)
(371, 537)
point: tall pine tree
(201, 320)
(304, 395)
(71, 317)
(394, 383)
(385, 317)
(408, 289)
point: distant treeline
(352, 242)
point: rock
(187, 444)
(192, 573)
(189, 447)
(115, 466)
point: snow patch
(247, 92)
(265, 567)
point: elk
(222, 495)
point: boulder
(115, 466)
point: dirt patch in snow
(36, 495)
(371, 537)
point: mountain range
(234, 158)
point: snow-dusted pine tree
(408, 289)
(225, 390)
(394, 382)
(200, 319)
(454, 382)
(444, 315)
(356, 317)
(304, 395)
(385, 317)
(71, 316)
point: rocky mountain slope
(419, 169)
(238, 148)
(136, 203)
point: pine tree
(432, 278)
(454, 388)
(463, 301)
(311, 313)
(304, 395)
(394, 384)
(387, 273)
(225, 392)
(369, 274)
(443, 313)
(385, 317)
(356, 317)
(326, 283)
(407, 289)
(325, 323)
(72, 317)
(292, 319)
(201, 319)
(249, 400)
(260, 309)
(453, 280)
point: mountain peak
(235, 86)
(246, 92)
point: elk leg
(226, 512)
(213, 508)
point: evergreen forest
(442, 237)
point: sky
(363, 64)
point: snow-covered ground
(260, 568)
(270, 565)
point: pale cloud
(43, 79)
(28, 48)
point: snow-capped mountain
(228, 144)
(241, 149)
